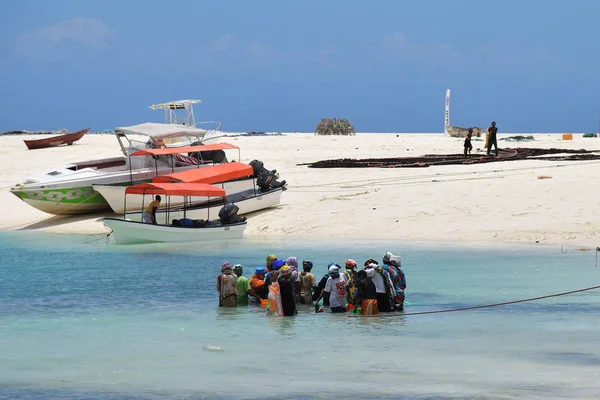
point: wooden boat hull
(54, 141)
(132, 232)
(246, 201)
(460, 132)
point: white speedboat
(132, 231)
(233, 177)
(68, 189)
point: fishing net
(506, 154)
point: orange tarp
(213, 174)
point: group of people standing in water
(371, 290)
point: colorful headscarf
(277, 264)
(293, 263)
(307, 265)
(260, 271)
(238, 270)
(286, 270)
(226, 266)
(270, 259)
(350, 263)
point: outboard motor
(265, 179)
(229, 214)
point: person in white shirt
(336, 288)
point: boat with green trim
(68, 190)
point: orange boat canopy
(176, 189)
(213, 174)
(184, 149)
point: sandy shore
(485, 203)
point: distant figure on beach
(492, 140)
(227, 286)
(149, 214)
(468, 145)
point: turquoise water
(81, 319)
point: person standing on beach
(149, 214)
(492, 140)
(468, 145)
(227, 287)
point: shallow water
(81, 319)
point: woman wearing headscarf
(271, 276)
(352, 279)
(257, 283)
(309, 283)
(270, 259)
(292, 262)
(227, 286)
(287, 296)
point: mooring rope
(503, 303)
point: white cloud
(87, 33)
(397, 47)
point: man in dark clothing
(320, 290)
(468, 145)
(492, 140)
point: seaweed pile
(335, 126)
(506, 154)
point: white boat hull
(115, 195)
(131, 232)
(247, 203)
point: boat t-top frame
(188, 118)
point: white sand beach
(502, 202)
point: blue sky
(282, 66)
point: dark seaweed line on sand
(506, 154)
